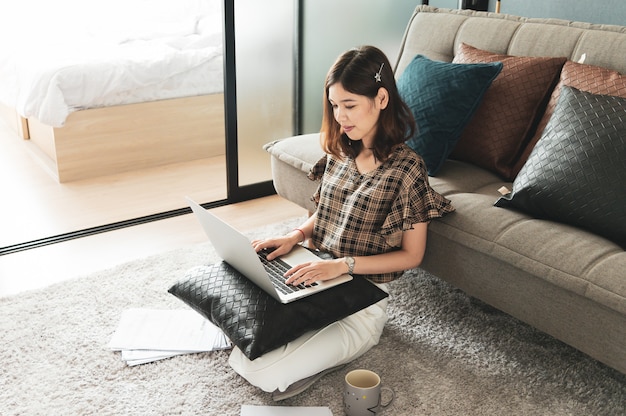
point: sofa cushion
(443, 97)
(577, 171)
(462, 177)
(590, 78)
(509, 112)
(566, 256)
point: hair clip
(377, 76)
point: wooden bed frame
(109, 140)
(14, 121)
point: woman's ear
(382, 98)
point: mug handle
(393, 396)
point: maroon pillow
(510, 110)
(589, 78)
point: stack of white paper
(252, 410)
(146, 335)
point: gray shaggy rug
(442, 352)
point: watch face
(350, 263)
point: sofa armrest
(292, 158)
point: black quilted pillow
(577, 171)
(257, 323)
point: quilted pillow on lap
(257, 323)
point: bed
(99, 89)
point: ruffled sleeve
(316, 174)
(318, 169)
(416, 202)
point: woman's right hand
(282, 245)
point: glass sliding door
(145, 94)
(233, 89)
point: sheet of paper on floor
(254, 410)
(146, 335)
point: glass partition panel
(265, 42)
(122, 120)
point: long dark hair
(355, 70)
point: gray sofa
(565, 281)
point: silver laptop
(235, 249)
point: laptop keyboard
(276, 269)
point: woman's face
(357, 114)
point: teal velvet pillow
(443, 97)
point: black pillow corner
(257, 323)
(577, 170)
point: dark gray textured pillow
(253, 320)
(577, 171)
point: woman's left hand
(309, 273)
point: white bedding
(62, 56)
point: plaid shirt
(365, 214)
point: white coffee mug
(362, 393)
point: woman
(373, 208)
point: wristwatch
(350, 262)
